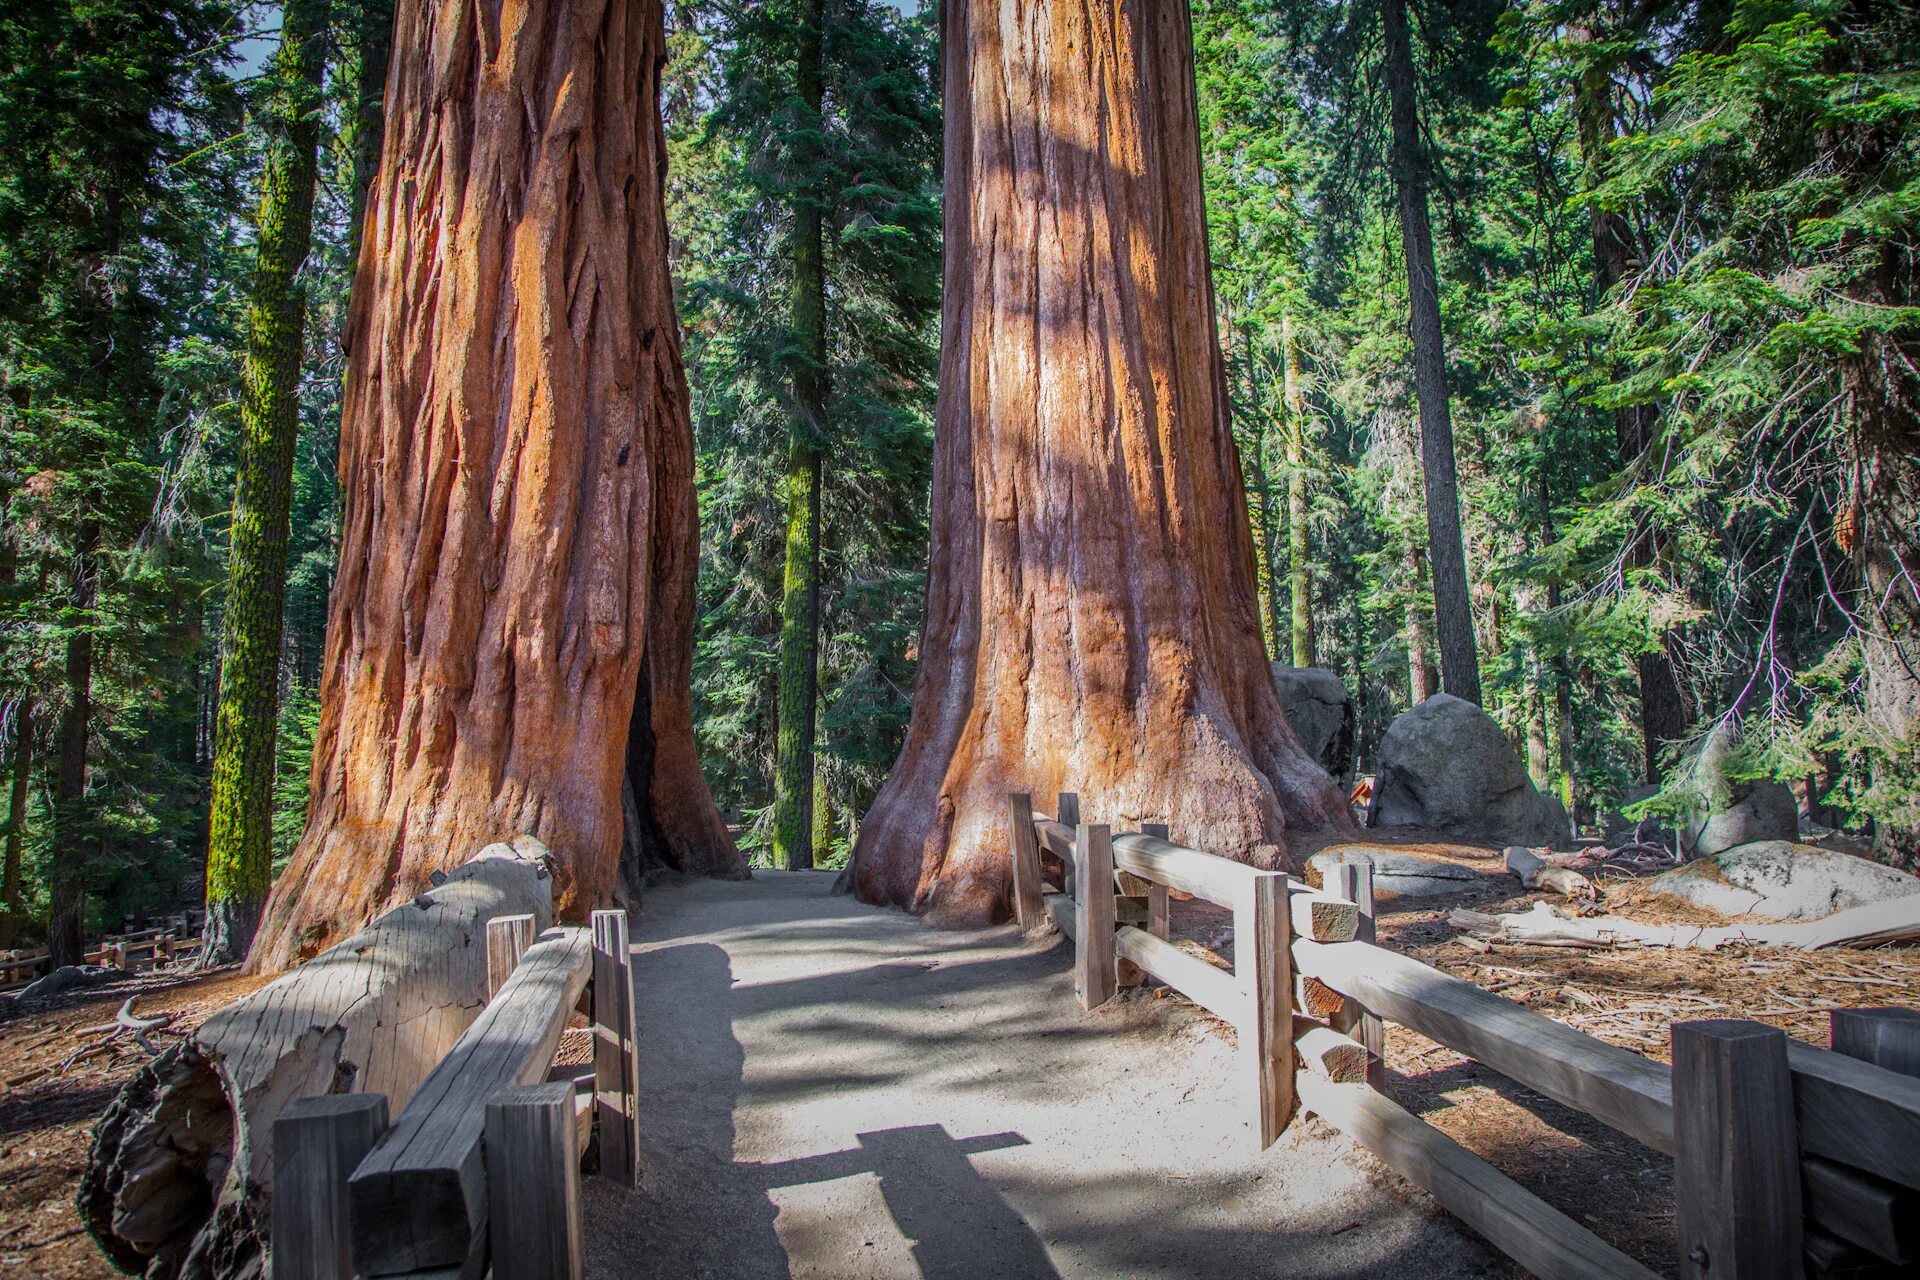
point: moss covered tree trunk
(793, 791)
(512, 621)
(240, 812)
(1092, 615)
(1446, 548)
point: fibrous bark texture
(514, 599)
(1092, 620)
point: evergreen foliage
(1675, 247)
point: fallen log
(180, 1176)
(1536, 872)
(1876, 924)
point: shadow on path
(960, 1226)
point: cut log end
(1330, 1055)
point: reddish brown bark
(1092, 619)
(519, 541)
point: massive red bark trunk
(1092, 620)
(519, 544)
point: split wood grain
(1095, 977)
(508, 938)
(1318, 1000)
(1262, 962)
(1856, 1113)
(1027, 907)
(317, 1144)
(1736, 1169)
(533, 1183)
(1328, 1054)
(1356, 885)
(616, 1055)
(1533, 1233)
(420, 1200)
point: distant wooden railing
(481, 1168)
(121, 951)
(1789, 1159)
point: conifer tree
(240, 827)
(1446, 548)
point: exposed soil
(52, 1091)
(49, 1097)
(1627, 996)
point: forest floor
(839, 1091)
(50, 1099)
(1628, 996)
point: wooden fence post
(1356, 886)
(1094, 973)
(1263, 962)
(508, 938)
(616, 1070)
(533, 1183)
(317, 1143)
(1888, 1037)
(1736, 1159)
(1028, 907)
(1066, 812)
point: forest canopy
(1569, 346)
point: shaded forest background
(1675, 251)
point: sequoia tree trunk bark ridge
(1092, 617)
(518, 543)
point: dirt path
(835, 1091)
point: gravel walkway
(831, 1090)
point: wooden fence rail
(481, 1167)
(20, 966)
(1790, 1160)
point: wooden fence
(481, 1168)
(148, 948)
(1789, 1160)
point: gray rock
(1624, 830)
(1400, 875)
(70, 977)
(1320, 714)
(1762, 810)
(1781, 880)
(1446, 765)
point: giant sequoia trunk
(1092, 620)
(511, 624)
